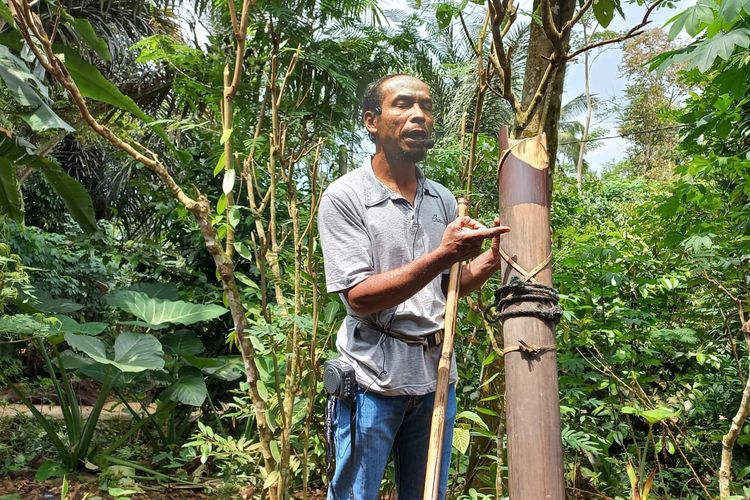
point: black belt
(426, 341)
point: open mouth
(416, 135)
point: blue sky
(607, 82)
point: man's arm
(462, 240)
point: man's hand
(463, 238)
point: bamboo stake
(437, 430)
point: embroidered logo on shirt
(435, 218)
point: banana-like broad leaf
(92, 84)
(189, 389)
(88, 34)
(73, 194)
(158, 312)
(11, 202)
(25, 88)
(134, 352)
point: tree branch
(634, 31)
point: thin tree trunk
(730, 438)
(589, 112)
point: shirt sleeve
(347, 253)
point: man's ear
(370, 118)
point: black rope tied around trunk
(539, 300)
(530, 299)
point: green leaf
(228, 183)
(461, 439)
(87, 33)
(234, 217)
(219, 164)
(221, 205)
(69, 325)
(182, 343)
(222, 367)
(73, 194)
(696, 17)
(721, 45)
(11, 201)
(262, 390)
(90, 346)
(189, 389)
(19, 79)
(166, 291)
(658, 414)
(272, 479)
(159, 312)
(225, 136)
(470, 415)
(444, 15)
(50, 469)
(604, 11)
(6, 14)
(330, 311)
(134, 352)
(92, 84)
(23, 324)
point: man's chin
(414, 155)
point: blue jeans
(383, 424)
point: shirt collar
(376, 192)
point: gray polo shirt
(366, 229)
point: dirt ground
(84, 486)
(87, 486)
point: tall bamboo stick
(437, 429)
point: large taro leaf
(155, 290)
(189, 388)
(182, 343)
(158, 312)
(134, 352)
(83, 365)
(48, 304)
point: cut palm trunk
(527, 305)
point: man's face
(405, 123)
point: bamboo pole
(535, 459)
(437, 429)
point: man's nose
(418, 114)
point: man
(389, 238)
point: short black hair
(372, 98)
